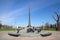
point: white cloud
(10, 17)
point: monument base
(30, 30)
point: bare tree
(47, 25)
(0, 24)
(57, 19)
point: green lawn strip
(51, 29)
(9, 29)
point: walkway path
(33, 36)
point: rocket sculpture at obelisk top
(29, 21)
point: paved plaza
(30, 36)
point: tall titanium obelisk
(29, 21)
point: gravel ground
(55, 36)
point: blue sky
(15, 12)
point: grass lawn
(8, 29)
(13, 29)
(50, 29)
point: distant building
(5, 26)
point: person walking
(18, 29)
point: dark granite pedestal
(45, 34)
(14, 34)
